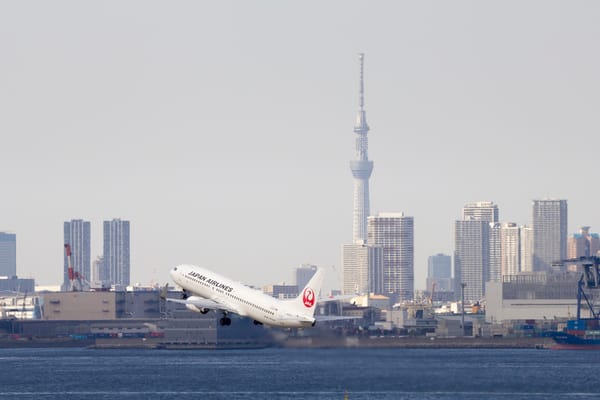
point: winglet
(163, 291)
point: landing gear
(184, 294)
(225, 321)
(257, 322)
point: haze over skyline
(223, 130)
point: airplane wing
(206, 303)
(325, 318)
(336, 298)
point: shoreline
(293, 343)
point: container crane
(76, 281)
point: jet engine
(195, 308)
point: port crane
(588, 283)
(76, 280)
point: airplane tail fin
(306, 302)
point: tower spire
(361, 166)
(361, 58)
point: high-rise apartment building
(526, 249)
(583, 244)
(363, 268)
(477, 251)
(511, 249)
(439, 272)
(394, 233)
(549, 233)
(8, 254)
(116, 251)
(495, 267)
(77, 235)
(481, 211)
(471, 258)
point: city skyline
(211, 124)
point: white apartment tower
(481, 211)
(511, 249)
(495, 267)
(394, 233)
(526, 249)
(363, 269)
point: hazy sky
(223, 129)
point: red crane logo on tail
(308, 297)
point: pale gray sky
(223, 130)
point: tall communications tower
(361, 166)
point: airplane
(205, 290)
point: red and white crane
(76, 281)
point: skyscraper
(549, 233)
(495, 267)
(363, 269)
(8, 254)
(77, 235)
(477, 254)
(116, 251)
(394, 233)
(511, 249)
(361, 166)
(471, 257)
(439, 271)
(526, 249)
(481, 211)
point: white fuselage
(238, 298)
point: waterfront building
(116, 251)
(394, 233)
(511, 250)
(8, 254)
(77, 235)
(549, 233)
(439, 272)
(532, 296)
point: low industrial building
(532, 296)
